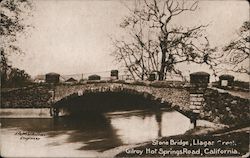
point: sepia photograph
(125, 78)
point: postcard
(124, 78)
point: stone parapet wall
(27, 97)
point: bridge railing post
(54, 112)
(199, 82)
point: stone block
(80, 93)
(196, 95)
(196, 99)
(197, 103)
(199, 107)
(202, 114)
(192, 107)
(196, 111)
(234, 102)
(195, 107)
(163, 101)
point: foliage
(155, 44)
(12, 77)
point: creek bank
(25, 113)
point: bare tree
(154, 43)
(237, 51)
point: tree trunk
(161, 73)
(163, 61)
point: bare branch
(167, 45)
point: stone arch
(130, 90)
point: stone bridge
(171, 95)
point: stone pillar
(51, 101)
(52, 77)
(196, 103)
(226, 81)
(114, 74)
(199, 82)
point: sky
(73, 36)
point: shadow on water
(93, 129)
(105, 124)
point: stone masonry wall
(225, 108)
(28, 97)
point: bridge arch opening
(101, 102)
